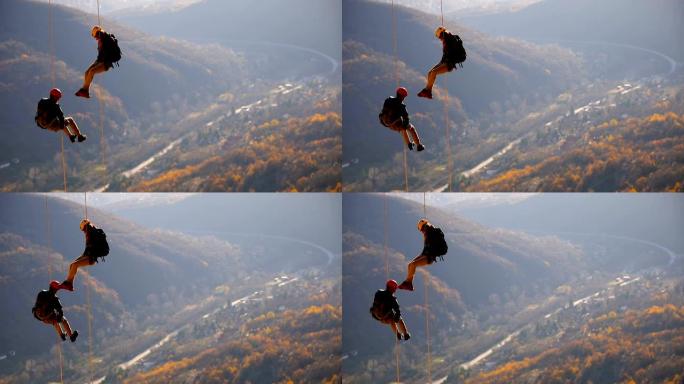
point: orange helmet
(421, 224)
(55, 285)
(392, 285)
(402, 92)
(83, 224)
(95, 30)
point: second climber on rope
(395, 117)
(108, 54)
(48, 309)
(49, 116)
(453, 54)
(385, 309)
(434, 246)
(96, 246)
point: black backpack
(99, 246)
(43, 118)
(439, 246)
(379, 309)
(110, 46)
(457, 53)
(388, 113)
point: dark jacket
(450, 48)
(392, 110)
(105, 43)
(100, 48)
(385, 305)
(433, 242)
(47, 307)
(48, 110)
(95, 243)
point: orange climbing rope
(53, 80)
(49, 244)
(98, 95)
(427, 312)
(387, 275)
(448, 137)
(446, 118)
(396, 79)
(88, 305)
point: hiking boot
(72, 138)
(82, 138)
(420, 147)
(63, 336)
(83, 93)
(426, 93)
(68, 285)
(398, 336)
(410, 146)
(73, 336)
(407, 336)
(407, 285)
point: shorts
(54, 126)
(87, 256)
(398, 126)
(51, 318)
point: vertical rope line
(394, 46)
(53, 81)
(51, 41)
(385, 235)
(100, 104)
(396, 80)
(427, 330)
(90, 330)
(88, 305)
(448, 137)
(441, 11)
(406, 186)
(64, 164)
(98, 14)
(427, 308)
(48, 236)
(103, 147)
(387, 275)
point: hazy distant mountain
(652, 24)
(283, 22)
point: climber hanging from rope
(453, 54)
(434, 246)
(49, 116)
(48, 309)
(108, 54)
(395, 117)
(385, 309)
(96, 247)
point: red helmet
(55, 93)
(54, 285)
(392, 285)
(402, 92)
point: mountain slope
(498, 74)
